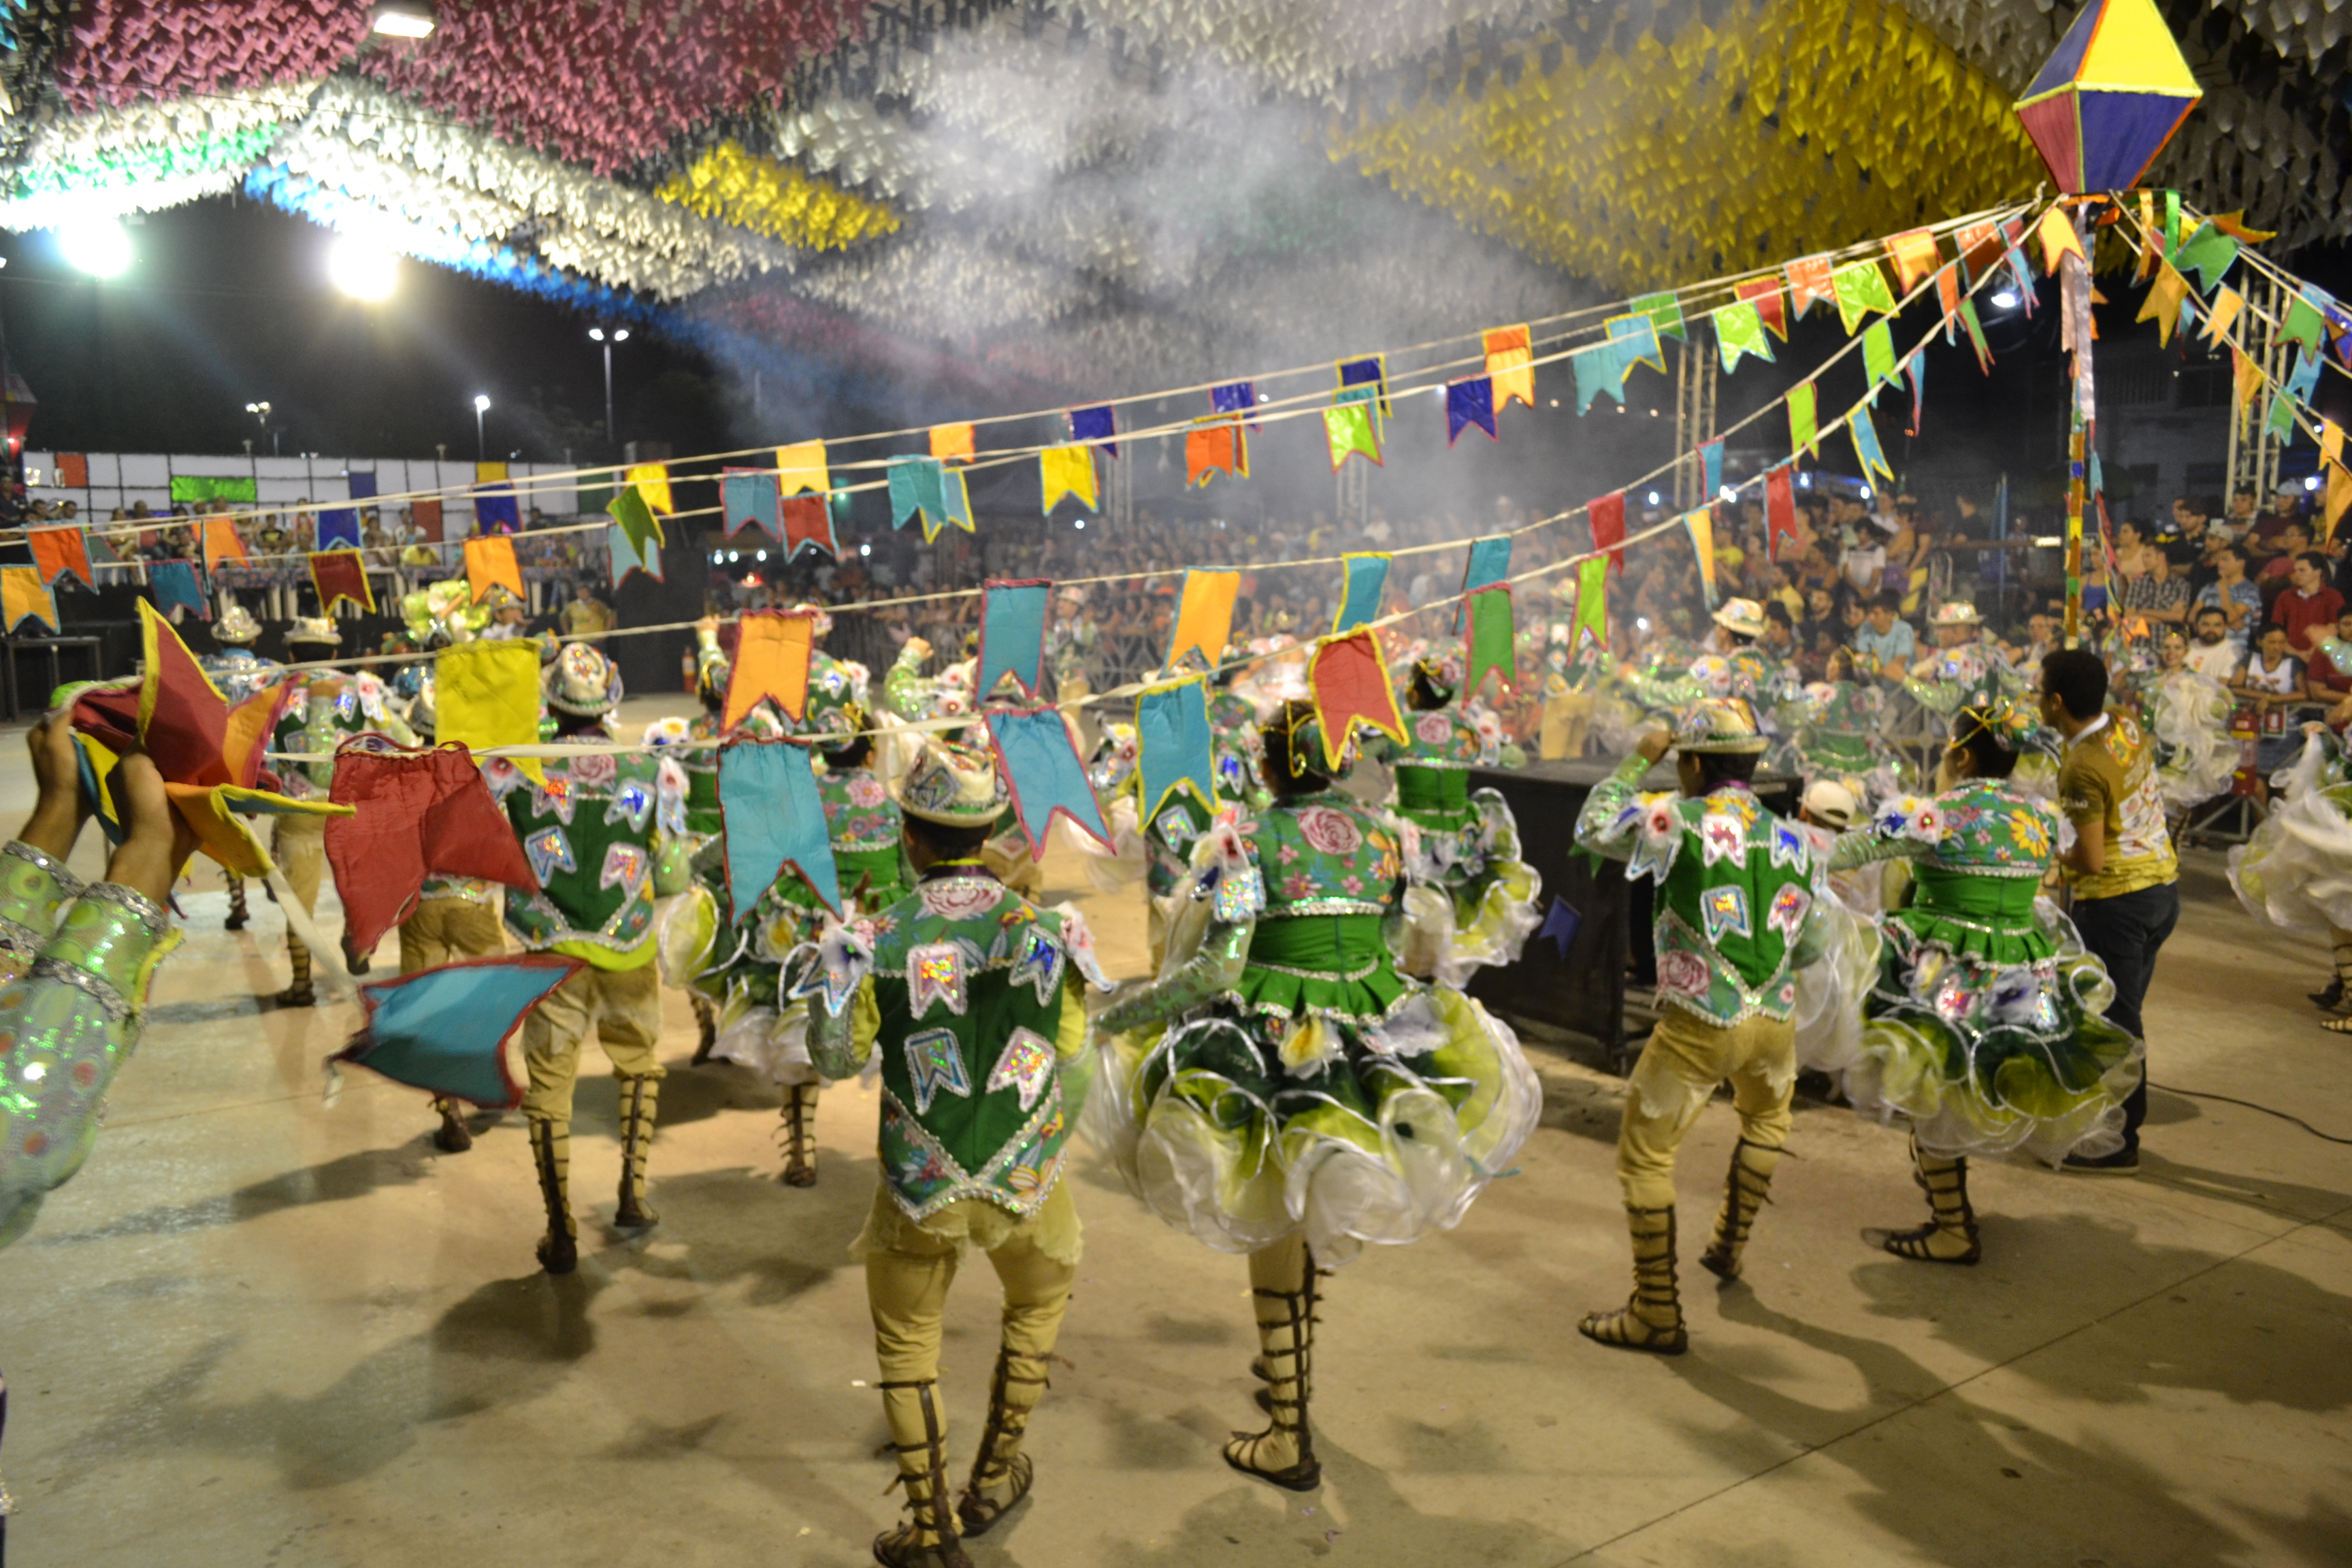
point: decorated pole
(2099, 111)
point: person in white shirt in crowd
(2212, 652)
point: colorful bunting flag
(1915, 257)
(635, 512)
(748, 498)
(338, 527)
(1011, 635)
(1878, 355)
(1042, 773)
(1068, 471)
(2245, 379)
(1700, 523)
(1361, 379)
(917, 490)
(1215, 446)
(1173, 745)
(1917, 369)
(651, 481)
(486, 694)
(22, 594)
(773, 819)
(222, 543)
(1764, 293)
(445, 1030)
(1607, 517)
(2339, 496)
(1098, 425)
(2222, 314)
(57, 550)
(2209, 253)
(803, 468)
(1489, 562)
(1809, 280)
(1364, 577)
(1591, 626)
(1948, 295)
(2279, 424)
(2020, 272)
(808, 525)
(490, 563)
(1236, 397)
(1347, 428)
(1780, 507)
(957, 496)
(340, 575)
(1976, 335)
(1664, 310)
(497, 509)
(1561, 924)
(1979, 247)
(416, 814)
(1598, 369)
(1866, 449)
(2304, 323)
(2165, 297)
(771, 664)
(1469, 401)
(1510, 365)
(1489, 649)
(174, 583)
(1859, 288)
(1740, 330)
(621, 556)
(1205, 616)
(1635, 339)
(952, 443)
(1350, 686)
(1803, 434)
(2057, 237)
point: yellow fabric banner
(1068, 471)
(803, 468)
(490, 563)
(652, 480)
(486, 694)
(22, 593)
(1204, 615)
(772, 660)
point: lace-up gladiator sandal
(1746, 1189)
(1652, 1320)
(551, 1151)
(640, 1094)
(926, 1538)
(1000, 1473)
(1950, 1235)
(1283, 1452)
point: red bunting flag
(1350, 684)
(56, 550)
(1779, 508)
(417, 814)
(1980, 247)
(340, 575)
(1809, 280)
(1764, 293)
(808, 521)
(1607, 516)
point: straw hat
(1719, 724)
(953, 786)
(1831, 802)
(236, 626)
(1743, 617)
(313, 629)
(582, 681)
(1958, 613)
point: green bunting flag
(2281, 420)
(1804, 435)
(1490, 643)
(637, 520)
(1591, 605)
(1859, 288)
(1740, 330)
(1665, 313)
(1878, 355)
(2209, 253)
(1976, 335)
(1349, 428)
(1635, 339)
(2304, 323)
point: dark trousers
(2125, 932)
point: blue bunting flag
(773, 820)
(1173, 750)
(1042, 771)
(1011, 635)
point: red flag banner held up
(1607, 516)
(1350, 684)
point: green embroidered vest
(590, 836)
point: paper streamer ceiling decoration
(1047, 779)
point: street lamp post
(261, 412)
(481, 407)
(617, 335)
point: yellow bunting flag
(1914, 255)
(490, 563)
(951, 443)
(22, 594)
(772, 662)
(1510, 365)
(2058, 236)
(1205, 616)
(486, 694)
(1068, 471)
(2246, 380)
(2331, 441)
(651, 481)
(2162, 305)
(2151, 240)
(489, 473)
(2222, 314)
(2339, 496)
(802, 468)
(1701, 524)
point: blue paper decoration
(1236, 397)
(1600, 368)
(748, 498)
(495, 509)
(445, 1030)
(624, 558)
(1172, 745)
(955, 499)
(1098, 425)
(1043, 770)
(916, 486)
(1012, 635)
(1560, 927)
(1710, 462)
(339, 528)
(773, 818)
(1490, 562)
(174, 583)
(1470, 402)
(2304, 380)
(1365, 379)
(362, 484)
(1359, 602)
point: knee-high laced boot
(236, 910)
(638, 1095)
(706, 1021)
(1000, 1472)
(800, 1135)
(1282, 1291)
(1950, 1233)
(551, 1151)
(2338, 998)
(1745, 1189)
(926, 1538)
(452, 1136)
(298, 995)
(1652, 1320)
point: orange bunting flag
(951, 443)
(490, 564)
(1205, 616)
(2331, 441)
(1809, 281)
(1914, 255)
(2162, 305)
(1980, 247)
(222, 543)
(1764, 293)
(2058, 236)
(22, 594)
(1510, 365)
(2234, 224)
(802, 468)
(56, 550)
(342, 574)
(1701, 526)
(1215, 446)
(651, 481)
(1948, 293)
(2246, 380)
(772, 662)
(1349, 683)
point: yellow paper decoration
(2057, 236)
(951, 443)
(489, 563)
(486, 694)
(776, 199)
(489, 473)
(652, 480)
(2222, 314)
(22, 594)
(2162, 305)
(1205, 616)
(1726, 149)
(802, 468)
(1510, 365)
(2339, 496)
(1068, 471)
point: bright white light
(1804, 481)
(2312, 483)
(620, 334)
(595, 334)
(401, 18)
(718, 558)
(1082, 523)
(1865, 493)
(362, 271)
(2005, 299)
(1653, 497)
(97, 245)
(733, 556)
(758, 555)
(482, 403)
(865, 550)
(1727, 493)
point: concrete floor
(261, 1330)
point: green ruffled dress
(1282, 1076)
(1985, 1025)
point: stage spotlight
(362, 271)
(97, 245)
(401, 18)
(2005, 299)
